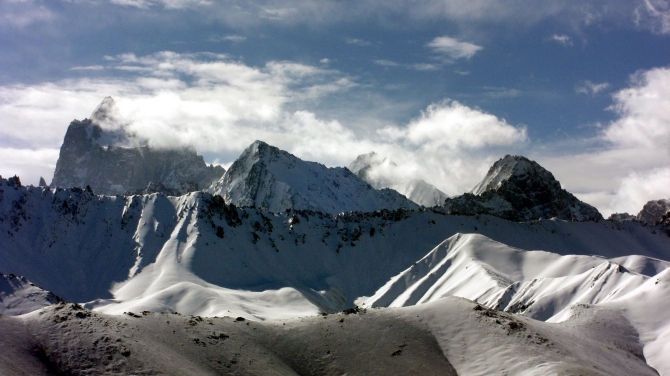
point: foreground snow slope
(447, 337)
(18, 295)
(541, 285)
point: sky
(443, 88)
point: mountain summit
(269, 178)
(519, 189)
(99, 153)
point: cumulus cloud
(220, 106)
(644, 118)
(449, 145)
(562, 39)
(453, 48)
(591, 88)
(636, 189)
(627, 164)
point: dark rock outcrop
(518, 189)
(102, 159)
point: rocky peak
(269, 178)
(519, 189)
(653, 211)
(100, 153)
(515, 169)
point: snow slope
(541, 285)
(272, 179)
(195, 254)
(447, 337)
(18, 295)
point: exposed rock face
(91, 156)
(653, 211)
(621, 217)
(43, 183)
(519, 189)
(381, 173)
(269, 178)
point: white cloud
(358, 42)
(450, 145)
(28, 164)
(562, 39)
(627, 164)
(655, 15)
(227, 38)
(220, 106)
(643, 109)
(453, 48)
(637, 188)
(591, 88)
(414, 66)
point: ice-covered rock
(269, 178)
(380, 173)
(518, 189)
(110, 162)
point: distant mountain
(18, 295)
(654, 213)
(110, 163)
(370, 167)
(272, 179)
(518, 189)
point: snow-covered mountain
(518, 189)
(196, 254)
(381, 173)
(111, 162)
(269, 178)
(18, 295)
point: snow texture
(272, 179)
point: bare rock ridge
(104, 160)
(654, 213)
(518, 189)
(269, 178)
(379, 172)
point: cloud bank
(221, 105)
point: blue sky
(442, 87)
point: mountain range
(282, 266)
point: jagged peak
(104, 109)
(507, 167)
